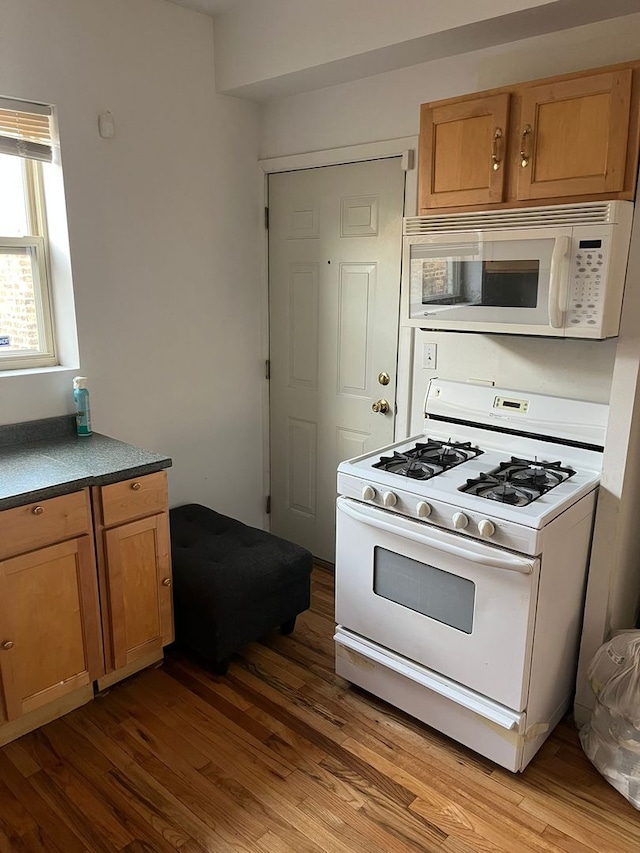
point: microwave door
(493, 282)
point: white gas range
(461, 564)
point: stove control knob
(486, 528)
(460, 520)
(389, 499)
(423, 509)
(368, 493)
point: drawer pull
(6, 646)
(166, 582)
(136, 487)
(37, 510)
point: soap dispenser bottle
(83, 409)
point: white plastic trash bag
(611, 739)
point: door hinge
(267, 507)
(266, 218)
(267, 369)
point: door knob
(6, 646)
(380, 406)
(384, 378)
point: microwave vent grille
(594, 213)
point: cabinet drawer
(134, 498)
(34, 525)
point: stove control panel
(442, 514)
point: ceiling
(267, 49)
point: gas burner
(406, 466)
(519, 481)
(542, 475)
(427, 459)
(495, 488)
(446, 454)
(535, 475)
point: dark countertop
(44, 459)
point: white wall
(164, 233)
(579, 369)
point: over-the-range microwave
(556, 271)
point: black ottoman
(232, 583)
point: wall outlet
(429, 356)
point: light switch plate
(429, 356)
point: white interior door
(335, 245)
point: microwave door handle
(557, 282)
(365, 515)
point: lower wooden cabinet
(50, 642)
(138, 579)
(85, 596)
(134, 565)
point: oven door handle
(509, 563)
(558, 283)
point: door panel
(335, 243)
(49, 612)
(139, 582)
(462, 152)
(574, 136)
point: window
(26, 329)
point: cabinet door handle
(495, 157)
(6, 646)
(524, 154)
(136, 487)
(166, 582)
(37, 510)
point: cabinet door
(138, 570)
(462, 148)
(49, 625)
(574, 136)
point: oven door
(454, 605)
(495, 281)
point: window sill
(38, 371)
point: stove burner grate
(429, 458)
(519, 481)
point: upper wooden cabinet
(574, 135)
(462, 149)
(565, 139)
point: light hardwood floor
(281, 756)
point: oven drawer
(451, 604)
(486, 727)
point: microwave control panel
(587, 276)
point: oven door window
(425, 589)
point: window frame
(36, 242)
